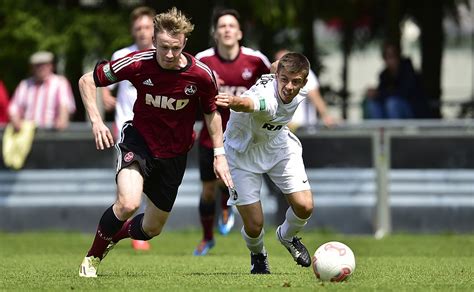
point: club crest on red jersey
(190, 89)
(128, 157)
(247, 74)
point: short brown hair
(141, 11)
(294, 63)
(218, 13)
(174, 22)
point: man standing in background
(45, 98)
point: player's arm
(87, 87)
(214, 126)
(236, 103)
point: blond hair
(174, 22)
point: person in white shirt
(141, 21)
(258, 141)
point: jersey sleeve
(263, 95)
(208, 94)
(110, 72)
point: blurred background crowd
(344, 40)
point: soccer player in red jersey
(236, 68)
(152, 150)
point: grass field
(50, 260)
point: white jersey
(126, 92)
(306, 114)
(268, 122)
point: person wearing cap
(45, 98)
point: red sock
(208, 226)
(123, 232)
(99, 244)
(109, 224)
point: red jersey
(237, 76)
(167, 100)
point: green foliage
(50, 261)
(28, 26)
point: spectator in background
(45, 98)
(4, 100)
(141, 26)
(307, 112)
(236, 68)
(398, 94)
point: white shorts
(280, 158)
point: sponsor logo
(165, 102)
(232, 90)
(190, 89)
(305, 181)
(128, 157)
(247, 74)
(148, 82)
(271, 127)
(108, 73)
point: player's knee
(254, 229)
(153, 231)
(208, 192)
(127, 209)
(208, 196)
(304, 211)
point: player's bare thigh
(129, 191)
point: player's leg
(252, 232)
(248, 204)
(290, 176)
(129, 189)
(161, 187)
(296, 217)
(207, 202)
(141, 244)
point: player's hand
(221, 169)
(103, 136)
(224, 100)
(329, 121)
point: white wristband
(219, 151)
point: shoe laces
(296, 247)
(94, 262)
(260, 260)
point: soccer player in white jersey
(141, 26)
(258, 141)
(236, 68)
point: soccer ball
(333, 261)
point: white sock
(255, 245)
(292, 225)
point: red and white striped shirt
(41, 102)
